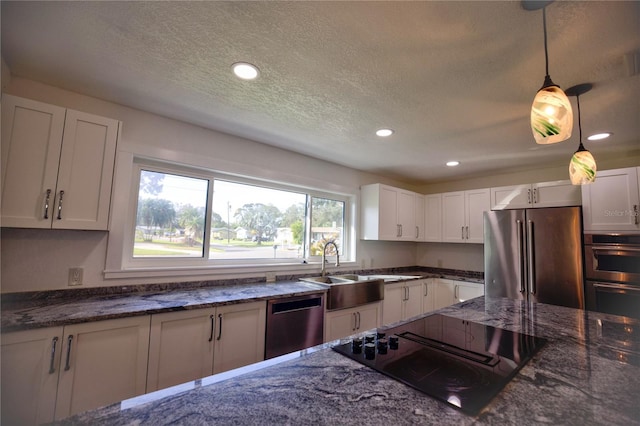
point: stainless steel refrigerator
(535, 254)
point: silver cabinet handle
(220, 329)
(462, 232)
(213, 324)
(635, 212)
(67, 364)
(60, 205)
(455, 292)
(46, 204)
(426, 290)
(535, 195)
(467, 229)
(532, 276)
(358, 320)
(529, 196)
(355, 321)
(52, 366)
(521, 254)
(417, 232)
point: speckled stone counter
(582, 376)
(40, 312)
(24, 311)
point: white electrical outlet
(75, 276)
(271, 277)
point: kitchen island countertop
(588, 373)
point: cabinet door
(388, 211)
(86, 172)
(103, 362)
(240, 333)
(511, 197)
(453, 216)
(413, 300)
(464, 291)
(31, 143)
(559, 193)
(476, 203)
(419, 217)
(339, 324)
(611, 203)
(180, 347)
(428, 296)
(30, 367)
(433, 217)
(392, 303)
(369, 317)
(443, 293)
(406, 215)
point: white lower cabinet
(53, 373)
(464, 290)
(442, 293)
(103, 362)
(402, 300)
(30, 366)
(448, 292)
(345, 322)
(428, 295)
(188, 345)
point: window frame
(188, 265)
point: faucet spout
(323, 271)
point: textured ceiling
(454, 79)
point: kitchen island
(587, 373)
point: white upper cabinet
(612, 202)
(433, 217)
(462, 215)
(388, 213)
(420, 217)
(544, 194)
(57, 166)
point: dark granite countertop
(56, 308)
(582, 376)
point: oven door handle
(616, 288)
(617, 251)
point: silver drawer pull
(60, 206)
(52, 366)
(67, 364)
(46, 204)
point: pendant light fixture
(582, 167)
(551, 114)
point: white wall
(40, 259)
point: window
(190, 218)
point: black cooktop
(460, 362)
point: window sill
(236, 271)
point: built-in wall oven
(612, 271)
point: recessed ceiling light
(599, 136)
(383, 133)
(452, 163)
(245, 70)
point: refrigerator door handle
(521, 265)
(531, 257)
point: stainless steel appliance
(294, 323)
(462, 363)
(612, 270)
(535, 254)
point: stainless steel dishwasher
(294, 323)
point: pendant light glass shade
(551, 114)
(582, 167)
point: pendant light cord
(546, 54)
